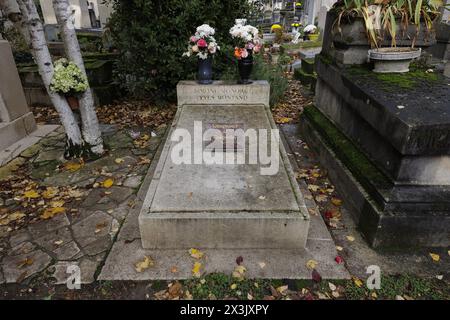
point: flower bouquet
(203, 45)
(312, 31)
(247, 42)
(68, 80)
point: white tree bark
(90, 127)
(44, 61)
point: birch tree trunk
(90, 127)
(43, 59)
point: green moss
(325, 58)
(391, 81)
(363, 169)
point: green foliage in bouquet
(68, 79)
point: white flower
(202, 55)
(205, 30)
(194, 49)
(310, 28)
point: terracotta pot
(73, 102)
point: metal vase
(205, 73)
(245, 66)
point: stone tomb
(16, 120)
(224, 206)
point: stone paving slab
(17, 148)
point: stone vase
(393, 60)
(205, 73)
(245, 67)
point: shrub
(152, 35)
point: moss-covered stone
(361, 167)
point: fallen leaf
(313, 187)
(119, 160)
(351, 238)
(57, 204)
(321, 198)
(282, 289)
(339, 248)
(50, 193)
(144, 264)
(312, 264)
(31, 194)
(108, 183)
(339, 260)
(337, 202)
(73, 166)
(262, 265)
(174, 269)
(335, 294)
(357, 282)
(239, 272)
(58, 242)
(239, 260)
(197, 254)
(51, 212)
(175, 290)
(196, 269)
(435, 257)
(332, 286)
(316, 276)
(26, 262)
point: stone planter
(393, 60)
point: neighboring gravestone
(223, 205)
(16, 120)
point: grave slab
(224, 206)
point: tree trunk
(91, 129)
(43, 59)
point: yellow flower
(275, 27)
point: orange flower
(237, 53)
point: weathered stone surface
(50, 155)
(8, 170)
(67, 251)
(88, 268)
(132, 182)
(2, 278)
(422, 127)
(15, 269)
(119, 194)
(384, 224)
(223, 206)
(42, 228)
(59, 242)
(23, 248)
(18, 237)
(223, 93)
(92, 233)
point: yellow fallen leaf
(31, 194)
(25, 262)
(197, 254)
(282, 289)
(50, 192)
(313, 187)
(339, 248)
(374, 295)
(337, 202)
(16, 216)
(108, 183)
(144, 264)
(239, 272)
(196, 269)
(351, 238)
(57, 204)
(174, 269)
(75, 193)
(321, 198)
(51, 212)
(284, 120)
(435, 257)
(312, 264)
(357, 282)
(119, 160)
(73, 166)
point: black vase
(205, 74)
(245, 66)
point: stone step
(223, 205)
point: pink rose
(244, 53)
(193, 39)
(256, 49)
(202, 43)
(250, 46)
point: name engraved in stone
(222, 94)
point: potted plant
(312, 31)
(387, 25)
(69, 81)
(246, 42)
(203, 45)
